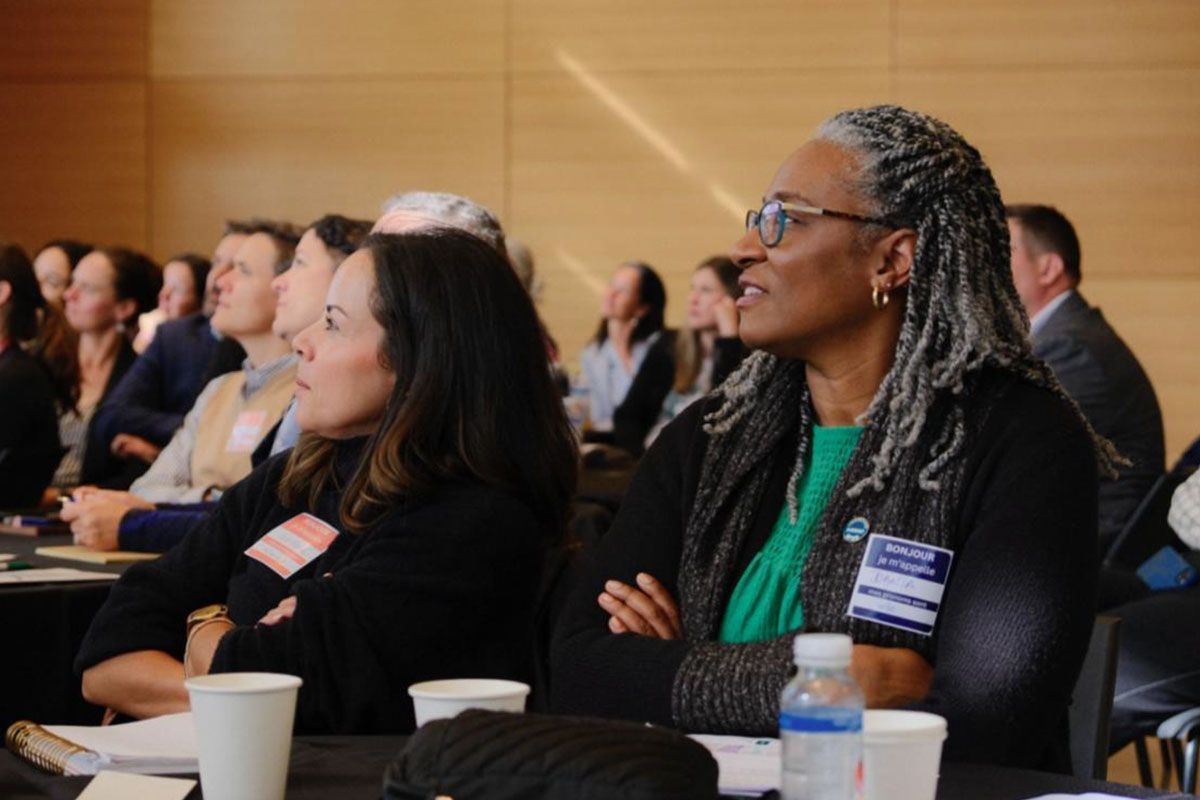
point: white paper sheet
(54, 575)
(747, 766)
(122, 786)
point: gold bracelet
(187, 647)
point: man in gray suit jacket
(1092, 363)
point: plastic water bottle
(820, 722)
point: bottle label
(821, 720)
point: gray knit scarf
(735, 687)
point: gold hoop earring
(879, 299)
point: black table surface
(23, 548)
(337, 767)
(47, 621)
(43, 627)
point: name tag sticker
(900, 583)
(247, 430)
(293, 545)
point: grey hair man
(406, 211)
(1095, 367)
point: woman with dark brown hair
(437, 465)
(109, 288)
(29, 448)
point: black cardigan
(642, 406)
(100, 467)
(29, 444)
(1015, 618)
(442, 587)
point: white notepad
(55, 575)
(165, 745)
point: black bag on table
(494, 755)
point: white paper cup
(902, 751)
(244, 731)
(441, 699)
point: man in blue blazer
(1094, 366)
(143, 411)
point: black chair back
(590, 519)
(25, 481)
(1091, 702)
(1147, 530)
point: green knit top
(767, 602)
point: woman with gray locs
(893, 408)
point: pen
(19, 520)
(15, 565)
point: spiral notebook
(163, 745)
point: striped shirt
(73, 434)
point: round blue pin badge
(856, 529)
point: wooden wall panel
(706, 35)
(81, 39)
(298, 149)
(603, 129)
(72, 162)
(1159, 320)
(635, 166)
(1115, 150)
(999, 34)
(211, 38)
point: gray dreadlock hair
(962, 311)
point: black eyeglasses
(773, 217)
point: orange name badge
(247, 430)
(293, 545)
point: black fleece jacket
(1014, 622)
(442, 587)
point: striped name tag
(293, 545)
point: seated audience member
(29, 447)
(145, 409)
(682, 367)
(54, 264)
(184, 279)
(521, 258)
(157, 530)
(109, 288)
(1158, 665)
(182, 293)
(895, 395)
(633, 310)
(1090, 360)
(300, 293)
(211, 451)
(439, 466)
(407, 211)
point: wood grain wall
(603, 130)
